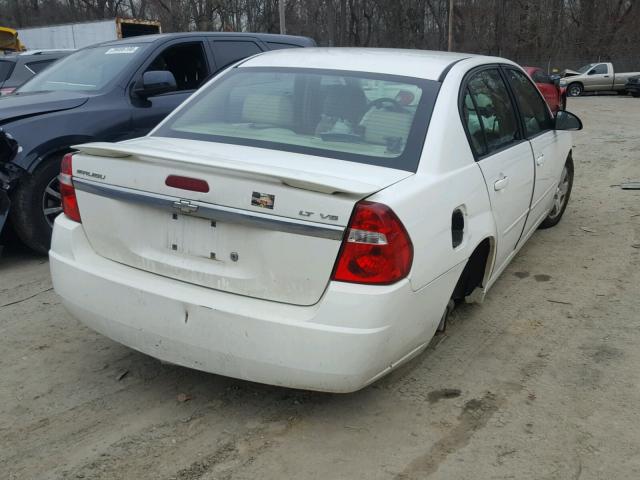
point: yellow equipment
(9, 40)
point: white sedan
(309, 217)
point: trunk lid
(269, 227)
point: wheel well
(56, 147)
(53, 154)
(476, 270)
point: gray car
(17, 69)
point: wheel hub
(51, 201)
(560, 197)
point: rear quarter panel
(447, 178)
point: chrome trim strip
(211, 211)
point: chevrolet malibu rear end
(267, 229)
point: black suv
(633, 86)
(17, 69)
(108, 92)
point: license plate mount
(192, 236)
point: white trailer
(78, 35)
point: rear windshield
(5, 70)
(356, 116)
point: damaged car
(9, 173)
(595, 77)
(107, 92)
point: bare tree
(541, 32)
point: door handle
(501, 184)
(540, 160)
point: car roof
(162, 37)
(47, 51)
(426, 64)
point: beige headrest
(276, 110)
(379, 125)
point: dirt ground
(542, 381)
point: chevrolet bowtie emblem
(185, 206)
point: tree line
(528, 31)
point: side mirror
(154, 83)
(567, 121)
(592, 72)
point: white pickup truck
(595, 77)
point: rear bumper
(354, 335)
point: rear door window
(493, 111)
(227, 52)
(471, 119)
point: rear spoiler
(314, 181)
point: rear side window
(227, 52)
(37, 67)
(355, 116)
(492, 112)
(533, 108)
(5, 70)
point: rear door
(502, 153)
(187, 61)
(538, 128)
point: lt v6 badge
(323, 216)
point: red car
(554, 94)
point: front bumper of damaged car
(10, 173)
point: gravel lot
(542, 381)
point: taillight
(376, 248)
(67, 192)
(6, 91)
